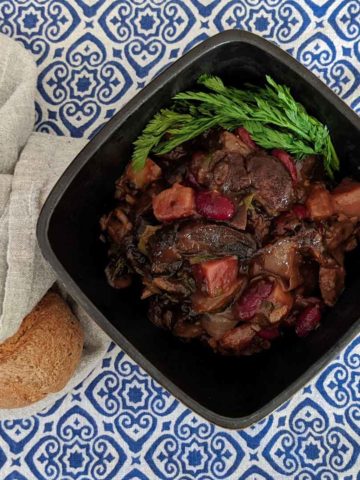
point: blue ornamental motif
(136, 409)
(86, 75)
(339, 384)
(51, 409)
(256, 473)
(346, 20)
(142, 26)
(2, 458)
(77, 451)
(135, 475)
(355, 105)
(254, 434)
(311, 443)
(317, 53)
(280, 20)
(92, 57)
(344, 78)
(38, 23)
(17, 433)
(319, 8)
(196, 450)
(15, 475)
(352, 416)
(136, 39)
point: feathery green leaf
(270, 114)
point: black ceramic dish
(231, 392)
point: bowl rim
(55, 196)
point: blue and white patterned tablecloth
(93, 55)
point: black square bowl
(231, 392)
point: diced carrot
(319, 203)
(173, 203)
(140, 178)
(202, 303)
(346, 198)
(215, 276)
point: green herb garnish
(270, 114)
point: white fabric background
(25, 277)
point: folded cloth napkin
(30, 164)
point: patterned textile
(93, 55)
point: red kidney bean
(250, 301)
(269, 333)
(300, 211)
(308, 320)
(245, 137)
(287, 161)
(214, 205)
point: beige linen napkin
(25, 182)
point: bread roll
(43, 354)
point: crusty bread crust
(43, 354)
